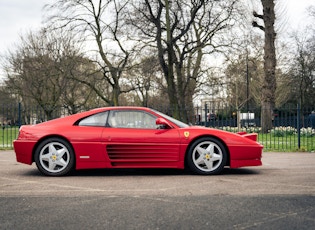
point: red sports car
(132, 137)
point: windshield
(173, 120)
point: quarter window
(98, 119)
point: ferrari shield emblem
(186, 134)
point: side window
(98, 119)
(131, 119)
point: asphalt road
(278, 195)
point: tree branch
(256, 15)
(255, 24)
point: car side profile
(132, 137)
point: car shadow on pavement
(145, 172)
(155, 172)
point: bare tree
(6, 97)
(244, 82)
(183, 33)
(100, 22)
(302, 71)
(79, 94)
(30, 71)
(269, 83)
(38, 70)
(144, 79)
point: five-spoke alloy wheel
(207, 156)
(54, 157)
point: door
(134, 140)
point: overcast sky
(20, 16)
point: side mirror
(164, 124)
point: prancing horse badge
(186, 134)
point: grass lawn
(7, 135)
(288, 143)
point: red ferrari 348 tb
(132, 137)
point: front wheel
(54, 157)
(207, 156)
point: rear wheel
(207, 156)
(54, 157)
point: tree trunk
(171, 86)
(269, 84)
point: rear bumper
(24, 151)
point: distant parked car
(132, 137)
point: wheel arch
(205, 136)
(48, 137)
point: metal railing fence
(293, 127)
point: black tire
(54, 157)
(207, 156)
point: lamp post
(247, 82)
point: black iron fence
(293, 127)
